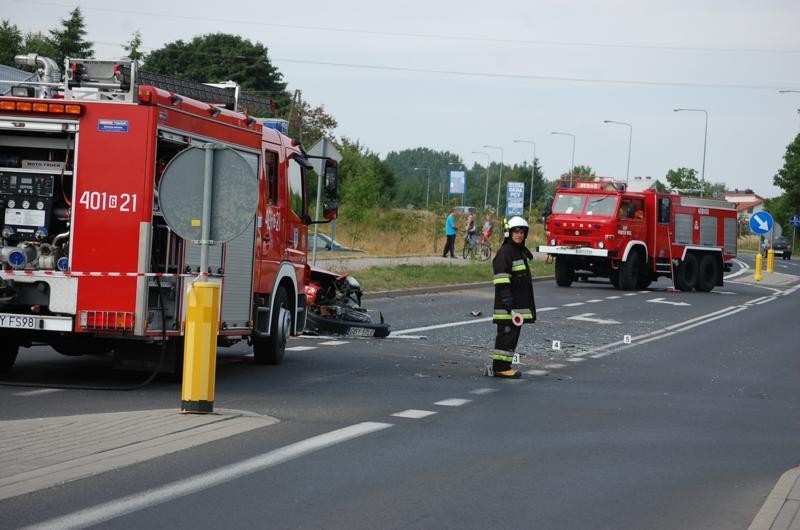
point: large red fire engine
(600, 229)
(88, 263)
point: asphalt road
(657, 410)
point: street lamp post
(486, 188)
(705, 142)
(533, 170)
(630, 140)
(428, 185)
(500, 180)
(572, 163)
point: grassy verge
(400, 277)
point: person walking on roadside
(514, 304)
(450, 231)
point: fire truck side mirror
(330, 208)
(548, 207)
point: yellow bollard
(770, 260)
(200, 348)
(759, 263)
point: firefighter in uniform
(513, 296)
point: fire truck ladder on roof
(119, 80)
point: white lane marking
(612, 297)
(668, 302)
(630, 294)
(38, 392)
(722, 292)
(169, 492)
(593, 301)
(440, 326)
(483, 391)
(744, 267)
(768, 300)
(334, 342)
(454, 402)
(537, 372)
(405, 332)
(414, 414)
(576, 359)
(554, 366)
(574, 304)
(587, 317)
(600, 355)
(301, 348)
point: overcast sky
(460, 75)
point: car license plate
(361, 332)
(8, 320)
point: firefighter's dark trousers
(504, 345)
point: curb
(782, 504)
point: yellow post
(759, 263)
(200, 348)
(770, 260)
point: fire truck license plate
(17, 321)
(361, 332)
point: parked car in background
(782, 247)
(325, 242)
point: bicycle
(480, 249)
(469, 247)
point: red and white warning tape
(99, 274)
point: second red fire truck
(598, 229)
(88, 263)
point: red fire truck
(88, 263)
(598, 229)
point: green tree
(133, 46)
(220, 57)
(41, 44)
(683, 179)
(69, 40)
(366, 181)
(788, 177)
(310, 124)
(11, 42)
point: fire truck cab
(598, 229)
(88, 263)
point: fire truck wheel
(8, 355)
(686, 275)
(708, 273)
(271, 350)
(565, 271)
(629, 272)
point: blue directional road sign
(795, 221)
(761, 223)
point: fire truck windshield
(586, 204)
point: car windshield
(569, 203)
(604, 205)
(596, 205)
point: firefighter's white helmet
(516, 222)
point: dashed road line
(454, 402)
(575, 359)
(554, 366)
(38, 392)
(301, 348)
(574, 304)
(483, 391)
(537, 372)
(334, 342)
(414, 414)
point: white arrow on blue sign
(795, 221)
(761, 223)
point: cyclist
(486, 231)
(472, 232)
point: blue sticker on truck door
(112, 126)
